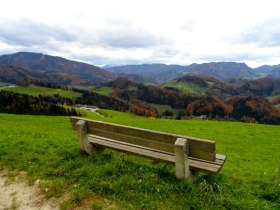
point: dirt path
(19, 195)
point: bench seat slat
(96, 135)
(199, 148)
(195, 164)
(135, 140)
(195, 151)
(130, 148)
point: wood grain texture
(198, 148)
(194, 164)
(200, 154)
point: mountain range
(37, 66)
(219, 70)
(25, 65)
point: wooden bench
(190, 155)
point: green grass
(161, 108)
(47, 149)
(185, 87)
(270, 98)
(104, 90)
(36, 90)
(3, 84)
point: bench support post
(181, 159)
(81, 127)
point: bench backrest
(197, 148)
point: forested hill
(162, 73)
(41, 65)
(270, 71)
(155, 72)
(144, 100)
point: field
(161, 108)
(104, 90)
(36, 90)
(270, 98)
(3, 84)
(47, 149)
(185, 87)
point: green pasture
(186, 87)
(47, 149)
(36, 90)
(105, 90)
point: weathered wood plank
(130, 148)
(194, 164)
(207, 167)
(159, 145)
(81, 127)
(181, 159)
(135, 140)
(153, 144)
(209, 156)
(198, 148)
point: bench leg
(181, 160)
(81, 127)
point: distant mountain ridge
(155, 72)
(224, 70)
(163, 73)
(76, 73)
(38, 66)
(270, 71)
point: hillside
(201, 84)
(46, 148)
(223, 70)
(269, 71)
(163, 73)
(208, 96)
(59, 70)
(155, 72)
(20, 75)
(196, 84)
(36, 66)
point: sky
(119, 32)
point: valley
(178, 92)
(36, 137)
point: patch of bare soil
(17, 194)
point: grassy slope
(104, 90)
(36, 90)
(272, 97)
(162, 108)
(185, 87)
(3, 83)
(47, 148)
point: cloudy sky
(118, 32)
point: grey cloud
(121, 34)
(127, 39)
(118, 34)
(265, 34)
(27, 33)
(165, 53)
(232, 57)
(189, 25)
(103, 60)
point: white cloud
(123, 31)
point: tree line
(244, 108)
(17, 103)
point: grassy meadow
(104, 90)
(36, 91)
(185, 87)
(47, 149)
